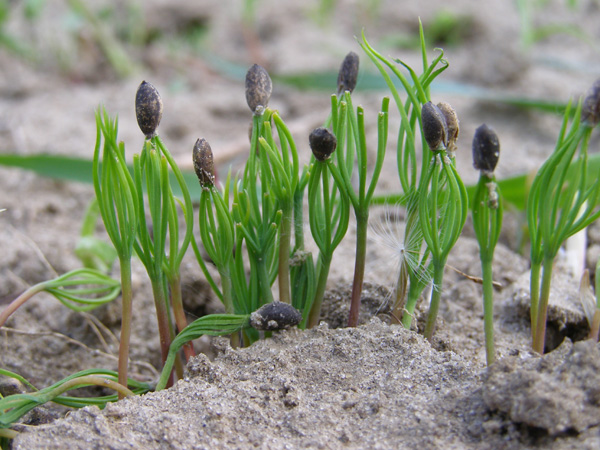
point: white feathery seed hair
(399, 246)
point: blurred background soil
(61, 60)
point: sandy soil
(377, 386)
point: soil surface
(375, 386)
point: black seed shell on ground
(148, 108)
(275, 316)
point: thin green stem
(417, 273)
(178, 311)
(74, 383)
(285, 234)
(414, 292)
(20, 300)
(126, 296)
(315, 311)
(299, 219)
(362, 218)
(595, 326)
(436, 295)
(400, 293)
(264, 279)
(487, 222)
(540, 330)
(162, 317)
(534, 294)
(488, 310)
(211, 325)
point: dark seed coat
(486, 149)
(435, 129)
(275, 316)
(148, 108)
(590, 112)
(203, 163)
(258, 87)
(348, 74)
(322, 143)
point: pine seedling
(274, 170)
(116, 194)
(329, 212)
(361, 199)
(487, 221)
(563, 200)
(95, 289)
(352, 147)
(224, 246)
(252, 224)
(443, 204)
(151, 171)
(202, 158)
(255, 207)
(14, 407)
(217, 229)
(177, 247)
(415, 270)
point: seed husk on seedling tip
(435, 128)
(203, 163)
(561, 204)
(452, 126)
(348, 74)
(590, 112)
(258, 88)
(322, 143)
(487, 222)
(148, 108)
(486, 150)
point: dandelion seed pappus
(400, 248)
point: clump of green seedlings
(434, 196)
(563, 200)
(251, 225)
